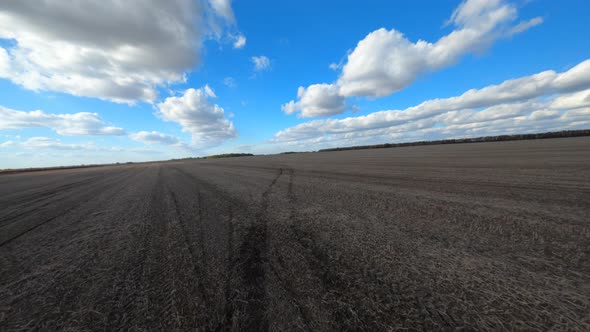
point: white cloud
(574, 100)
(523, 26)
(48, 143)
(496, 112)
(46, 152)
(4, 63)
(317, 100)
(426, 129)
(385, 61)
(239, 41)
(114, 50)
(223, 9)
(205, 121)
(513, 101)
(261, 63)
(82, 123)
(579, 113)
(154, 137)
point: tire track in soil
(222, 319)
(54, 288)
(87, 198)
(156, 265)
(199, 255)
(162, 286)
(292, 292)
(229, 307)
(198, 260)
(320, 264)
(250, 263)
(284, 283)
(253, 256)
(50, 196)
(230, 292)
(337, 285)
(131, 287)
(177, 298)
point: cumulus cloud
(261, 63)
(205, 121)
(571, 101)
(427, 129)
(239, 41)
(385, 61)
(77, 124)
(114, 50)
(154, 137)
(317, 100)
(497, 106)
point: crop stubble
(479, 236)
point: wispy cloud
(261, 63)
(52, 144)
(230, 82)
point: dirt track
(483, 236)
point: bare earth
(483, 236)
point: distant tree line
(229, 155)
(500, 138)
(215, 156)
(53, 168)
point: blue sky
(112, 83)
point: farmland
(485, 236)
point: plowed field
(485, 236)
